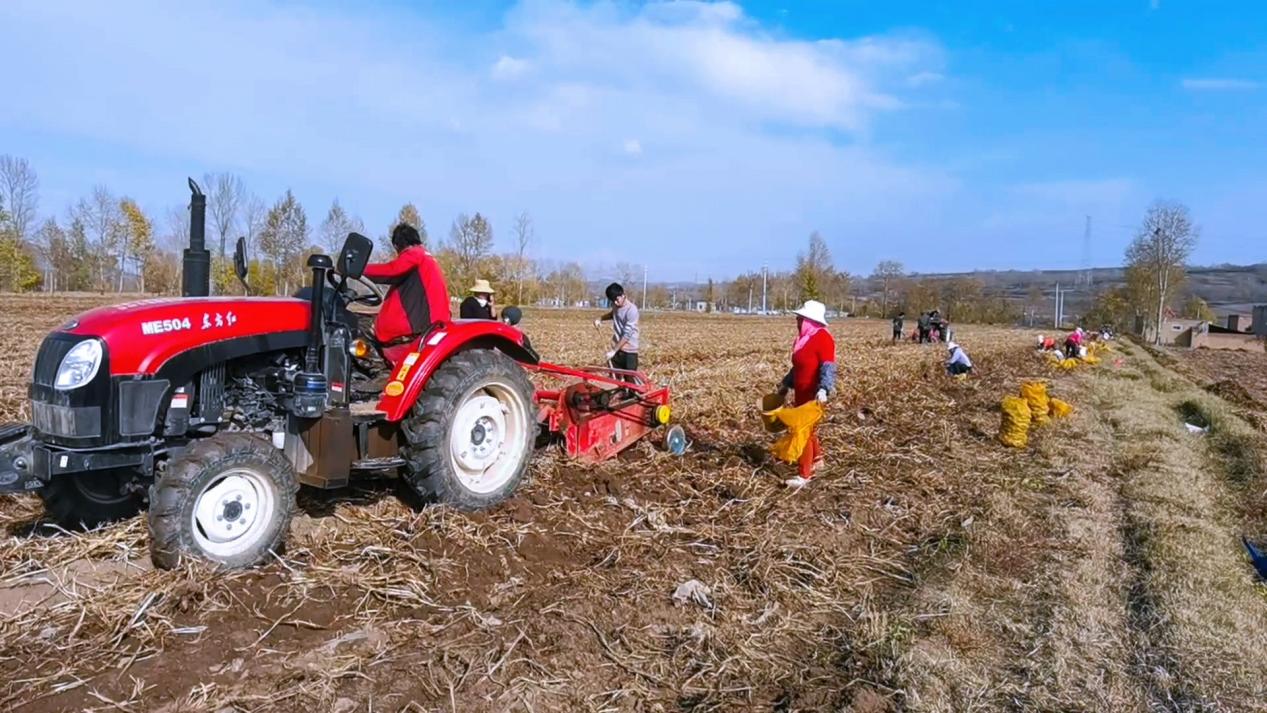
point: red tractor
(213, 410)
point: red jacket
(807, 364)
(417, 296)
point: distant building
(1201, 334)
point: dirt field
(1239, 377)
(927, 568)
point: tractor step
(366, 411)
(378, 463)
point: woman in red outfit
(813, 376)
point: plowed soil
(562, 598)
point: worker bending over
(1073, 343)
(624, 318)
(813, 376)
(417, 296)
(959, 363)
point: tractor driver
(417, 296)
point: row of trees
(106, 242)
(884, 293)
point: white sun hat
(952, 346)
(813, 310)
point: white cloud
(920, 79)
(1218, 84)
(508, 67)
(717, 55)
(382, 107)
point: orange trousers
(812, 454)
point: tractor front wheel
(228, 499)
(470, 435)
(94, 498)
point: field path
(1108, 572)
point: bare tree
(1160, 253)
(176, 237)
(102, 224)
(225, 193)
(887, 272)
(471, 240)
(254, 211)
(628, 275)
(19, 192)
(336, 226)
(524, 233)
(283, 238)
(814, 269)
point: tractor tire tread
(171, 493)
(425, 428)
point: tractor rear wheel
(470, 435)
(228, 499)
(90, 499)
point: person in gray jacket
(624, 318)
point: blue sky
(699, 139)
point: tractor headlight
(79, 366)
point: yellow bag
(1035, 394)
(1091, 359)
(800, 422)
(1014, 430)
(1069, 364)
(1059, 409)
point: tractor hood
(142, 336)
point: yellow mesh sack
(1014, 430)
(1091, 359)
(1059, 409)
(1069, 364)
(1035, 395)
(800, 422)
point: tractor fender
(411, 375)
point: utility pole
(1086, 255)
(749, 298)
(764, 273)
(644, 286)
(1060, 307)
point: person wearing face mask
(479, 305)
(812, 377)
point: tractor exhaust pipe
(196, 271)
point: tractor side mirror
(354, 256)
(239, 263)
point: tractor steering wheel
(373, 298)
